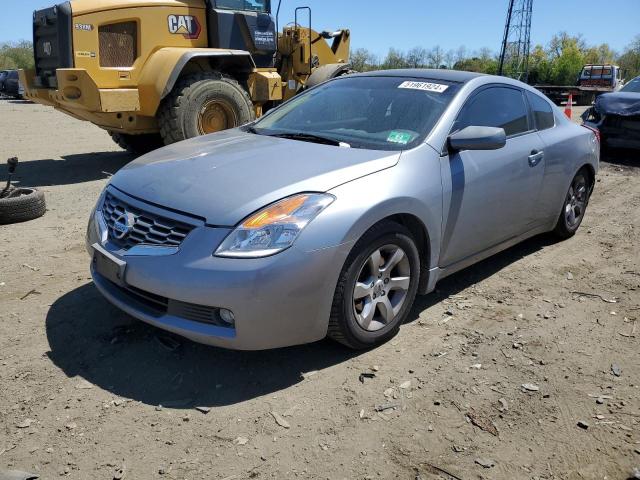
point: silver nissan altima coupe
(328, 215)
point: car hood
(619, 103)
(226, 176)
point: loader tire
(328, 72)
(203, 103)
(22, 204)
(138, 144)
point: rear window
(245, 5)
(542, 112)
(596, 72)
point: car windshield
(633, 86)
(378, 113)
(246, 5)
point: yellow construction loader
(154, 72)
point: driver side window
(500, 107)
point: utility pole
(516, 43)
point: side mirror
(478, 138)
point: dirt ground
(86, 391)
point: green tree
(362, 60)
(394, 59)
(417, 57)
(629, 61)
(15, 55)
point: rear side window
(542, 112)
(496, 107)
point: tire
(203, 103)
(137, 144)
(576, 201)
(22, 204)
(346, 323)
(327, 72)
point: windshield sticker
(400, 137)
(424, 86)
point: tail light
(595, 131)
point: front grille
(118, 44)
(52, 43)
(148, 228)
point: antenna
(516, 43)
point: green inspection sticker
(400, 137)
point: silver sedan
(331, 213)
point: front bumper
(618, 131)
(277, 301)
(116, 109)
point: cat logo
(186, 25)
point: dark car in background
(3, 77)
(12, 85)
(617, 117)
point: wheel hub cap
(216, 115)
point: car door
(11, 83)
(491, 193)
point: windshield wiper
(310, 137)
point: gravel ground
(86, 391)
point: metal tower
(514, 57)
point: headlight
(274, 228)
(98, 220)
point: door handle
(536, 157)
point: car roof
(426, 73)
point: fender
(158, 78)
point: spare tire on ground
(21, 204)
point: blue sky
(378, 25)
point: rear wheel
(203, 103)
(574, 206)
(138, 144)
(376, 288)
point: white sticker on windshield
(425, 86)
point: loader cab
(243, 25)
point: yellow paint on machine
(153, 32)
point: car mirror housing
(478, 138)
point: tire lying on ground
(203, 103)
(138, 144)
(22, 204)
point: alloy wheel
(381, 287)
(576, 201)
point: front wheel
(574, 206)
(376, 288)
(203, 103)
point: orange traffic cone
(568, 109)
